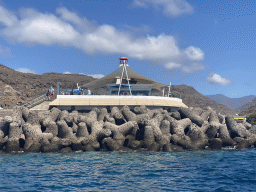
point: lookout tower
(123, 61)
(124, 64)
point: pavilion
(122, 87)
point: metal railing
(175, 94)
(36, 101)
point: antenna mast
(124, 63)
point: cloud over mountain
(217, 79)
(96, 76)
(66, 72)
(26, 70)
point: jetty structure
(124, 86)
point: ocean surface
(224, 170)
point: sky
(207, 44)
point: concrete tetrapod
(53, 116)
(235, 129)
(197, 136)
(125, 129)
(4, 126)
(117, 115)
(119, 133)
(16, 137)
(187, 113)
(128, 114)
(33, 133)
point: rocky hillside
(232, 103)
(250, 114)
(250, 110)
(17, 87)
(247, 106)
(192, 98)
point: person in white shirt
(51, 90)
(89, 92)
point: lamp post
(169, 93)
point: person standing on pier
(89, 92)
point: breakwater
(124, 129)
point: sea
(206, 170)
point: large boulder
(235, 129)
(187, 113)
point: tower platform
(88, 102)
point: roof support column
(121, 81)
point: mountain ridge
(248, 108)
(232, 103)
(193, 98)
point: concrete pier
(87, 102)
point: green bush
(251, 119)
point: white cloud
(66, 28)
(171, 8)
(97, 76)
(66, 72)
(194, 53)
(172, 66)
(185, 69)
(26, 70)
(139, 3)
(38, 28)
(217, 79)
(141, 30)
(7, 18)
(5, 52)
(192, 68)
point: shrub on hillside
(251, 119)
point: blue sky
(207, 44)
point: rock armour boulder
(126, 129)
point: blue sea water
(224, 170)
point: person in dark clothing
(48, 95)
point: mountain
(248, 111)
(249, 107)
(192, 98)
(232, 103)
(250, 114)
(17, 87)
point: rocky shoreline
(127, 130)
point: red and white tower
(123, 61)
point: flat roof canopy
(106, 100)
